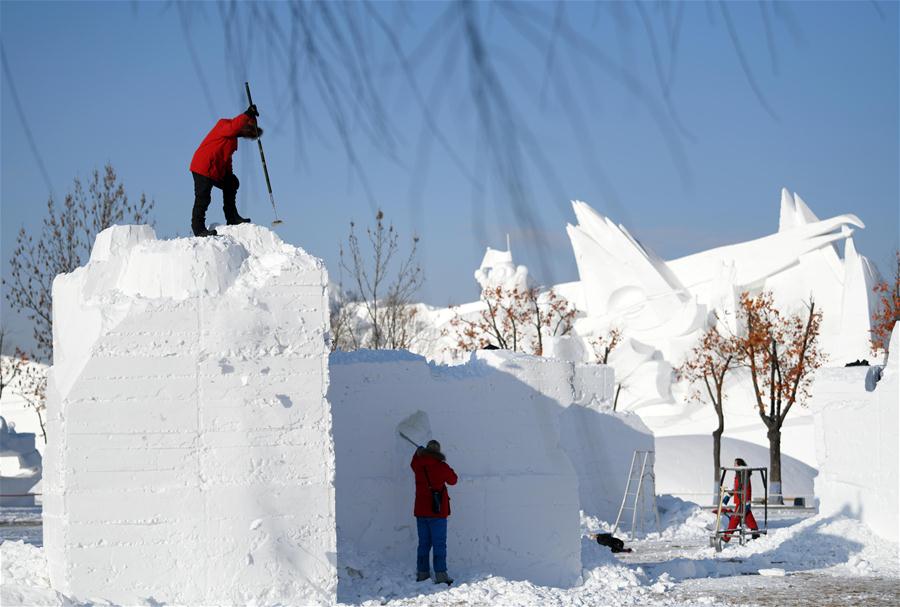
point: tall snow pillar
(191, 458)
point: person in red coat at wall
(432, 507)
(743, 495)
(211, 167)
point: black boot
(202, 188)
(236, 219)
(230, 185)
(204, 232)
(441, 577)
(421, 576)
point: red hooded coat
(440, 475)
(213, 158)
(738, 491)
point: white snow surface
(191, 458)
(820, 546)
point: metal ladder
(641, 469)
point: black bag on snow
(612, 542)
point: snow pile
(857, 436)
(191, 458)
(25, 578)
(500, 419)
(825, 544)
(682, 519)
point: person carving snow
(742, 497)
(211, 167)
(432, 507)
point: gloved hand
(725, 500)
(252, 111)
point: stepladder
(639, 495)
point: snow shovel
(416, 425)
(411, 441)
(262, 155)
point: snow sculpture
(498, 270)
(857, 437)
(499, 420)
(662, 306)
(18, 484)
(192, 459)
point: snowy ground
(805, 560)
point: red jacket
(440, 475)
(213, 157)
(738, 491)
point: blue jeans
(432, 535)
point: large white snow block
(515, 511)
(191, 458)
(857, 437)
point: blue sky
(115, 82)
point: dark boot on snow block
(421, 576)
(440, 577)
(204, 232)
(236, 220)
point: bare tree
(705, 368)
(25, 378)
(10, 366)
(384, 290)
(32, 387)
(782, 352)
(63, 244)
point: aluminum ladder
(640, 480)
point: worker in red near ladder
(743, 496)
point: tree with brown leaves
(500, 323)
(782, 352)
(514, 319)
(603, 346)
(550, 313)
(888, 312)
(704, 370)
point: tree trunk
(775, 495)
(717, 461)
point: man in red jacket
(211, 167)
(431, 510)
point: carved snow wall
(507, 425)
(192, 459)
(858, 442)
